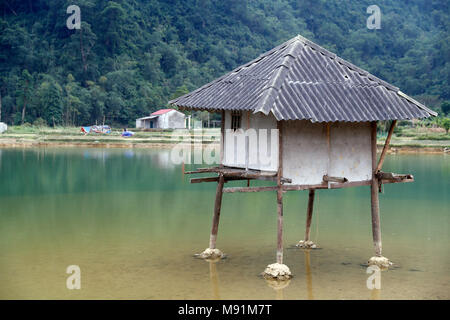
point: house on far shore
(3, 127)
(163, 119)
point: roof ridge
(344, 83)
(270, 91)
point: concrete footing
(306, 244)
(211, 254)
(380, 261)
(277, 271)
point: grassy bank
(404, 140)
(31, 136)
(418, 139)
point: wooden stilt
(386, 146)
(216, 217)
(280, 197)
(309, 214)
(222, 138)
(375, 205)
(280, 226)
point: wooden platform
(231, 173)
(234, 174)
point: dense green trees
(131, 56)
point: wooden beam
(252, 176)
(240, 174)
(375, 204)
(232, 170)
(327, 178)
(312, 186)
(395, 177)
(383, 181)
(327, 186)
(249, 189)
(216, 217)
(208, 179)
(386, 146)
(309, 214)
(203, 170)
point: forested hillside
(130, 57)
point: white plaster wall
(255, 152)
(171, 120)
(351, 153)
(176, 120)
(138, 124)
(3, 127)
(307, 157)
(305, 152)
(161, 121)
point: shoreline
(138, 144)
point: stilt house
(319, 114)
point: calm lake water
(132, 222)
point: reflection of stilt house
(326, 112)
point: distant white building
(3, 127)
(163, 119)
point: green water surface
(131, 221)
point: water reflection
(309, 285)
(59, 208)
(278, 286)
(162, 159)
(375, 294)
(214, 277)
(97, 154)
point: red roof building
(162, 111)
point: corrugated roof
(299, 80)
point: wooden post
(216, 217)
(375, 204)
(386, 146)
(280, 196)
(222, 139)
(328, 148)
(309, 214)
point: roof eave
(417, 103)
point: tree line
(130, 57)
